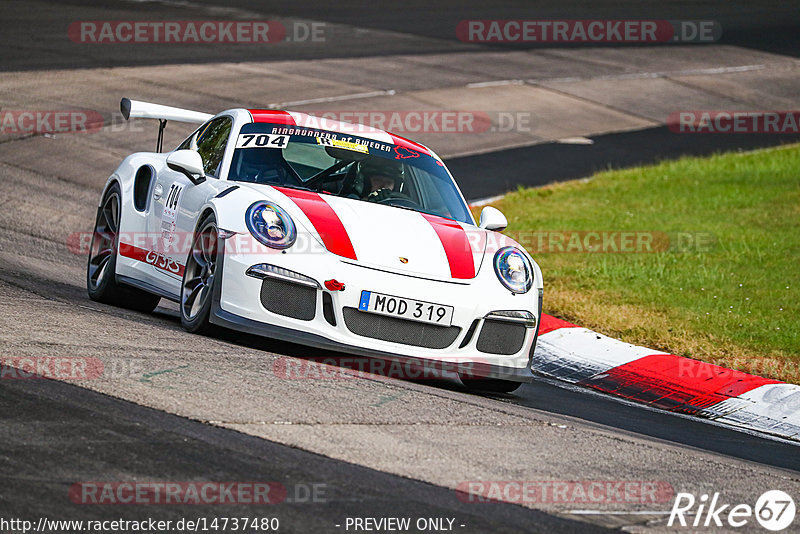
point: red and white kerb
(578, 355)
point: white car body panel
(397, 252)
(369, 227)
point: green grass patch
(734, 302)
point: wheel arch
(205, 212)
(113, 179)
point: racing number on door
(171, 203)
(170, 212)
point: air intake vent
(327, 309)
(501, 337)
(289, 299)
(399, 330)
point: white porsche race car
(328, 234)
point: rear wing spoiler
(146, 110)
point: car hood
(385, 237)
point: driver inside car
(381, 179)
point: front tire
(101, 283)
(197, 287)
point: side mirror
(493, 219)
(189, 163)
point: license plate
(413, 310)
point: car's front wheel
(101, 283)
(197, 287)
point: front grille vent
(401, 331)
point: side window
(211, 143)
(187, 143)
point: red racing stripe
(456, 246)
(325, 221)
(271, 116)
(157, 260)
(675, 383)
(407, 143)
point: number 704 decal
(262, 141)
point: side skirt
(150, 288)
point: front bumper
(237, 305)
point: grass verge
(721, 280)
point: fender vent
(231, 189)
(141, 187)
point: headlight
(271, 225)
(513, 269)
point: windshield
(346, 166)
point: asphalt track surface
(558, 398)
(73, 432)
(29, 37)
(194, 408)
(546, 163)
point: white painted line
(212, 9)
(370, 94)
(566, 79)
(495, 83)
(484, 201)
(575, 141)
(609, 512)
(489, 148)
(657, 74)
(720, 70)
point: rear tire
(101, 283)
(197, 287)
(491, 385)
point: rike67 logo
(774, 510)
